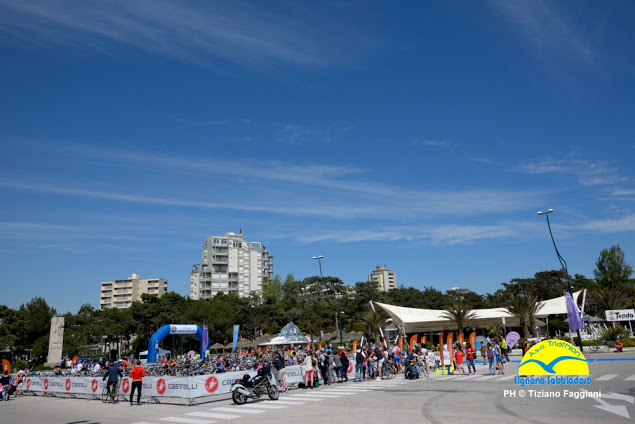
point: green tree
(374, 321)
(612, 270)
(603, 298)
(460, 313)
(525, 309)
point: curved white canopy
(433, 319)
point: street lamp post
(339, 308)
(304, 294)
(563, 263)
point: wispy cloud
(431, 143)
(353, 192)
(546, 29)
(588, 173)
(428, 234)
(614, 225)
(249, 33)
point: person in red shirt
(137, 375)
(458, 357)
(469, 355)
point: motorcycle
(253, 388)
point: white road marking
(606, 377)
(631, 378)
(288, 402)
(185, 420)
(239, 410)
(213, 415)
(265, 406)
(487, 377)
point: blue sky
(423, 136)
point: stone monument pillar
(56, 341)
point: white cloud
(616, 225)
(204, 32)
(546, 29)
(588, 173)
(432, 143)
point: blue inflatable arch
(171, 329)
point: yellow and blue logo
(174, 328)
(554, 357)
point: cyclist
(112, 375)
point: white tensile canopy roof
(433, 319)
(290, 334)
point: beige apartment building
(121, 293)
(230, 265)
(386, 278)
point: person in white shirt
(96, 367)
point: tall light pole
(339, 308)
(563, 263)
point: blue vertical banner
(205, 338)
(235, 337)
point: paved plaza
(478, 398)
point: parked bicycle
(597, 344)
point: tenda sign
(620, 315)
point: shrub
(565, 338)
(612, 334)
(628, 342)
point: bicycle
(599, 343)
(113, 395)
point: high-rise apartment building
(385, 277)
(230, 265)
(121, 293)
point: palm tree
(374, 321)
(607, 298)
(525, 309)
(460, 314)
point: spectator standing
(338, 367)
(20, 376)
(310, 363)
(359, 365)
(345, 363)
(377, 353)
(282, 372)
(137, 375)
(6, 382)
(458, 357)
(323, 366)
(469, 354)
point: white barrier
(166, 386)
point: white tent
(290, 334)
(417, 320)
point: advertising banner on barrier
(167, 386)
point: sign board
(620, 315)
(503, 320)
(585, 319)
(182, 329)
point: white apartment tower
(120, 294)
(385, 277)
(230, 265)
